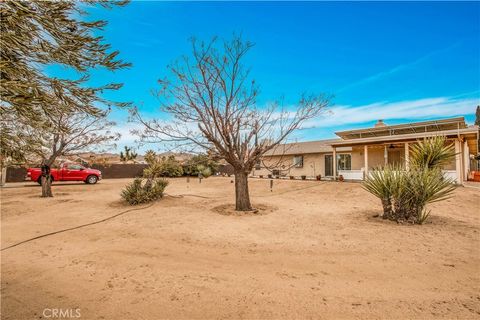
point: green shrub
(162, 167)
(144, 190)
(204, 171)
(199, 163)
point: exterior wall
(313, 165)
(376, 156)
(357, 158)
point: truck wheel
(91, 179)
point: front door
(328, 165)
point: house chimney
(380, 123)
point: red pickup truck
(67, 172)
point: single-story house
(356, 152)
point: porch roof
(407, 128)
(469, 133)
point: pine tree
(40, 33)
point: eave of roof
(458, 123)
(413, 136)
(307, 147)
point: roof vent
(380, 124)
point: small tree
(213, 106)
(151, 186)
(129, 155)
(477, 116)
(69, 134)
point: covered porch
(362, 160)
(373, 153)
(373, 148)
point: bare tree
(71, 133)
(212, 102)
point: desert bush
(162, 167)
(198, 163)
(406, 193)
(204, 171)
(143, 190)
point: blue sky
(396, 61)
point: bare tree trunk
(46, 187)
(242, 198)
(3, 178)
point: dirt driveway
(315, 252)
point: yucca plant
(141, 191)
(431, 153)
(406, 193)
(424, 187)
(381, 183)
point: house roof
(470, 133)
(318, 146)
(407, 128)
(452, 127)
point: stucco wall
(357, 158)
(313, 164)
(376, 157)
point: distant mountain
(180, 156)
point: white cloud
(341, 115)
(413, 109)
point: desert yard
(313, 251)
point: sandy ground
(316, 253)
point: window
(258, 165)
(298, 161)
(74, 167)
(344, 162)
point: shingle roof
(303, 147)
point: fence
(113, 171)
(116, 171)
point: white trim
(458, 161)
(352, 174)
(451, 174)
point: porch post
(385, 154)
(466, 160)
(365, 161)
(407, 156)
(458, 161)
(334, 163)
